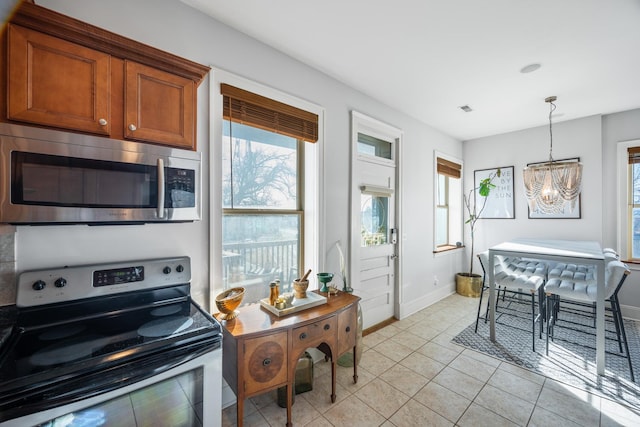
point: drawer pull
(303, 335)
(266, 362)
(327, 327)
(348, 329)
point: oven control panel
(65, 284)
(116, 276)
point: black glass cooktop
(34, 354)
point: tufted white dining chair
(520, 277)
(584, 293)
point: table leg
(492, 304)
(334, 364)
(289, 402)
(239, 411)
(600, 332)
(355, 366)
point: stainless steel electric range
(111, 344)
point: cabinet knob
(266, 362)
(327, 327)
(102, 122)
(348, 329)
(303, 335)
(132, 127)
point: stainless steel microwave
(52, 177)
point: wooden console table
(261, 350)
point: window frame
(265, 212)
(440, 206)
(455, 223)
(313, 214)
(625, 205)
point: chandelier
(551, 185)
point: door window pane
(374, 218)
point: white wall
(172, 26)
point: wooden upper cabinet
(68, 74)
(158, 106)
(56, 83)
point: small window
(633, 203)
(448, 205)
(442, 211)
(374, 147)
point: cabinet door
(347, 328)
(264, 363)
(56, 83)
(159, 106)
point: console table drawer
(313, 334)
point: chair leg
(533, 321)
(479, 307)
(615, 305)
(550, 310)
(486, 312)
(616, 322)
(542, 310)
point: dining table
(565, 251)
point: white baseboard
(228, 396)
(630, 312)
(410, 307)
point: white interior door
(374, 247)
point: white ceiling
(427, 58)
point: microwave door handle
(160, 188)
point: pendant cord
(552, 108)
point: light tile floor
(411, 374)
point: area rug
(572, 354)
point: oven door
(175, 396)
(82, 179)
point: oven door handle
(161, 188)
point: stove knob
(179, 268)
(38, 285)
(166, 270)
(60, 283)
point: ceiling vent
(466, 109)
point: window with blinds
(633, 202)
(263, 157)
(448, 210)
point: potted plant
(468, 283)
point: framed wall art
(568, 211)
(501, 200)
